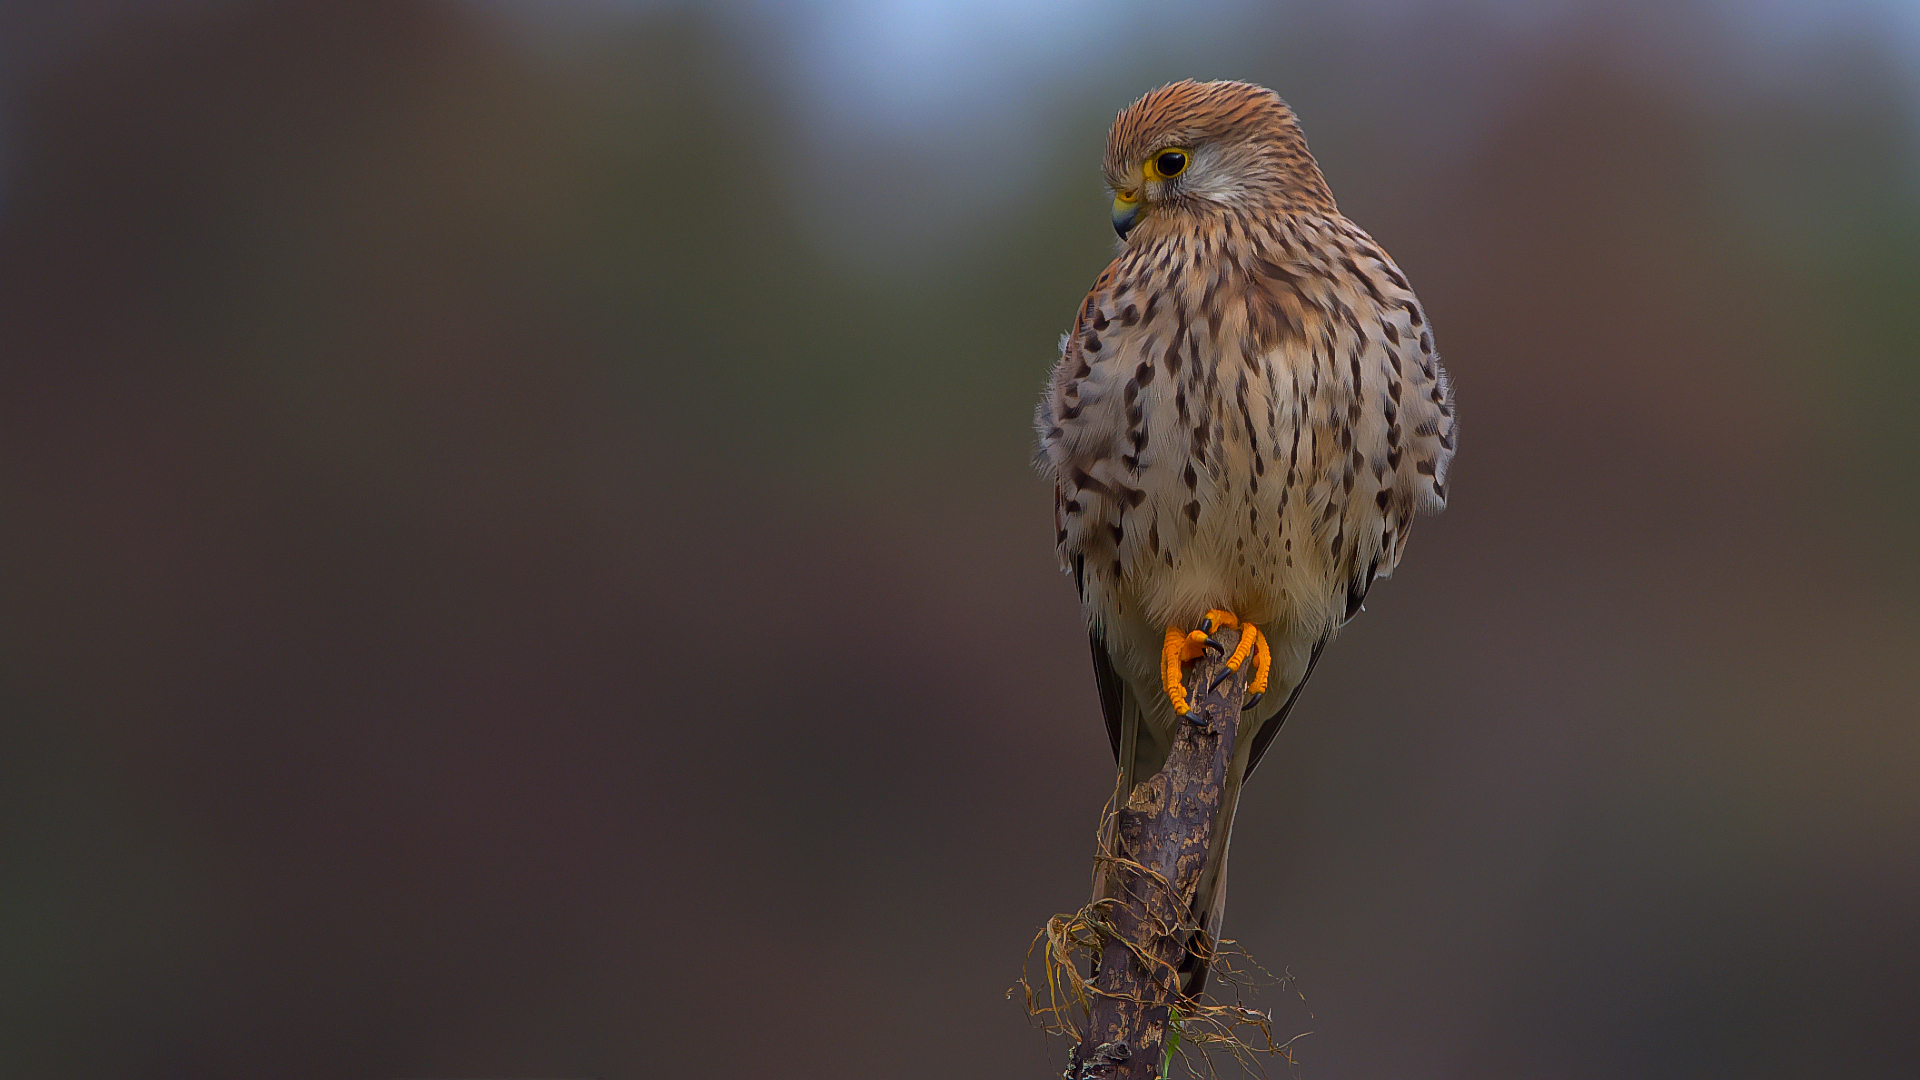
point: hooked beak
(1126, 211)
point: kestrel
(1245, 418)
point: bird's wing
(1264, 737)
(1106, 678)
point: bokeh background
(520, 557)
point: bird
(1244, 420)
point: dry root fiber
(1063, 998)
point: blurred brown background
(412, 413)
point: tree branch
(1160, 840)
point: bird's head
(1196, 148)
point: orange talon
(1249, 634)
(1222, 620)
(1262, 664)
(1196, 646)
(1172, 651)
(1180, 646)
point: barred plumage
(1246, 415)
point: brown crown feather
(1238, 114)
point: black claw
(1225, 674)
(1214, 647)
(1252, 700)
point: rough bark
(1161, 839)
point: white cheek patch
(1214, 175)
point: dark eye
(1170, 164)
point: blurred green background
(520, 557)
